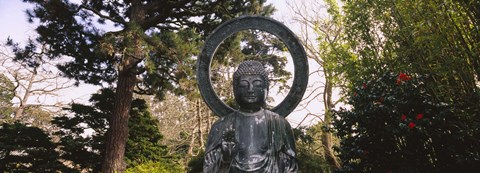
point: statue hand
(227, 150)
(228, 144)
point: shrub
(396, 125)
(155, 167)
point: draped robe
(250, 142)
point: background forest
(397, 82)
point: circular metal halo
(300, 79)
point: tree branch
(99, 14)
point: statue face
(251, 92)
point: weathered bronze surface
(251, 139)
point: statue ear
(266, 94)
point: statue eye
(243, 84)
(258, 83)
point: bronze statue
(252, 139)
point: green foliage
(395, 124)
(440, 122)
(36, 116)
(155, 167)
(166, 68)
(310, 155)
(153, 45)
(27, 149)
(195, 165)
(144, 138)
(6, 95)
(83, 134)
(439, 38)
(85, 151)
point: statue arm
(213, 154)
(289, 150)
(218, 151)
(218, 156)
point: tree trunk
(23, 101)
(192, 142)
(117, 135)
(327, 136)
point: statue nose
(250, 88)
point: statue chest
(251, 133)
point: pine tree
(27, 149)
(138, 47)
(82, 136)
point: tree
(82, 136)
(310, 149)
(27, 149)
(34, 84)
(139, 47)
(144, 141)
(179, 123)
(322, 34)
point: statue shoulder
(223, 119)
(275, 116)
(271, 113)
(216, 131)
(281, 121)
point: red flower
(419, 116)
(399, 81)
(404, 77)
(411, 125)
(364, 86)
(404, 117)
(355, 94)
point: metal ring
(271, 26)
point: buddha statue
(251, 139)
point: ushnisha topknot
(250, 67)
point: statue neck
(251, 112)
(250, 108)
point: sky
(12, 14)
(16, 27)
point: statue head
(250, 85)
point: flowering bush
(395, 125)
